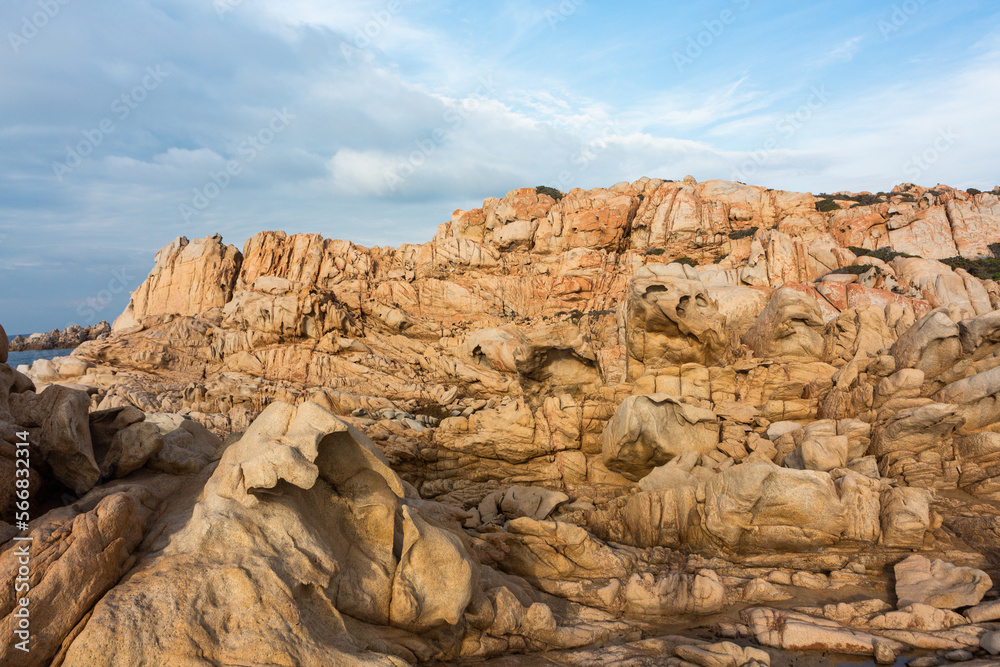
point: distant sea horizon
(15, 359)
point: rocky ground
(60, 339)
(664, 423)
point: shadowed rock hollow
(659, 423)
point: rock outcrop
(57, 339)
(565, 422)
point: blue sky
(125, 124)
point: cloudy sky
(127, 123)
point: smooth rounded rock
(990, 642)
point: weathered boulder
(318, 504)
(824, 454)
(76, 555)
(931, 345)
(723, 654)
(429, 557)
(65, 442)
(675, 593)
(978, 397)
(905, 516)
(187, 445)
(648, 431)
(670, 319)
(105, 424)
(790, 328)
(759, 506)
(939, 584)
(533, 502)
(130, 449)
(793, 631)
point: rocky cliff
(600, 418)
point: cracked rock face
(682, 422)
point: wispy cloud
(844, 52)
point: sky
(127, 123)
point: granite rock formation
(690, 424)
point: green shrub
(865, 200)
(685, 260)
(826, 206)
(742, 233)
(974, 191)
(885, 254)
(655, 251)
(984, 268)
(855, 270)
(552, 192)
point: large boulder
(77, 553)
(759, 506)
(790, 328)
(130, 449)
(670, 319)
(905, 517)
(932, 345)
(187, 445)
(300, 526)
(122, 442)
(65, 442)
(939, 584)
(648, 431)
(533, 502)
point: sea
(29, 357)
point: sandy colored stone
(648, 431)
(670, 318)
(939, 584)
(74, 559)
(789, 328)
(65, 442)
(188, 277)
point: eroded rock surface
(598, 420)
